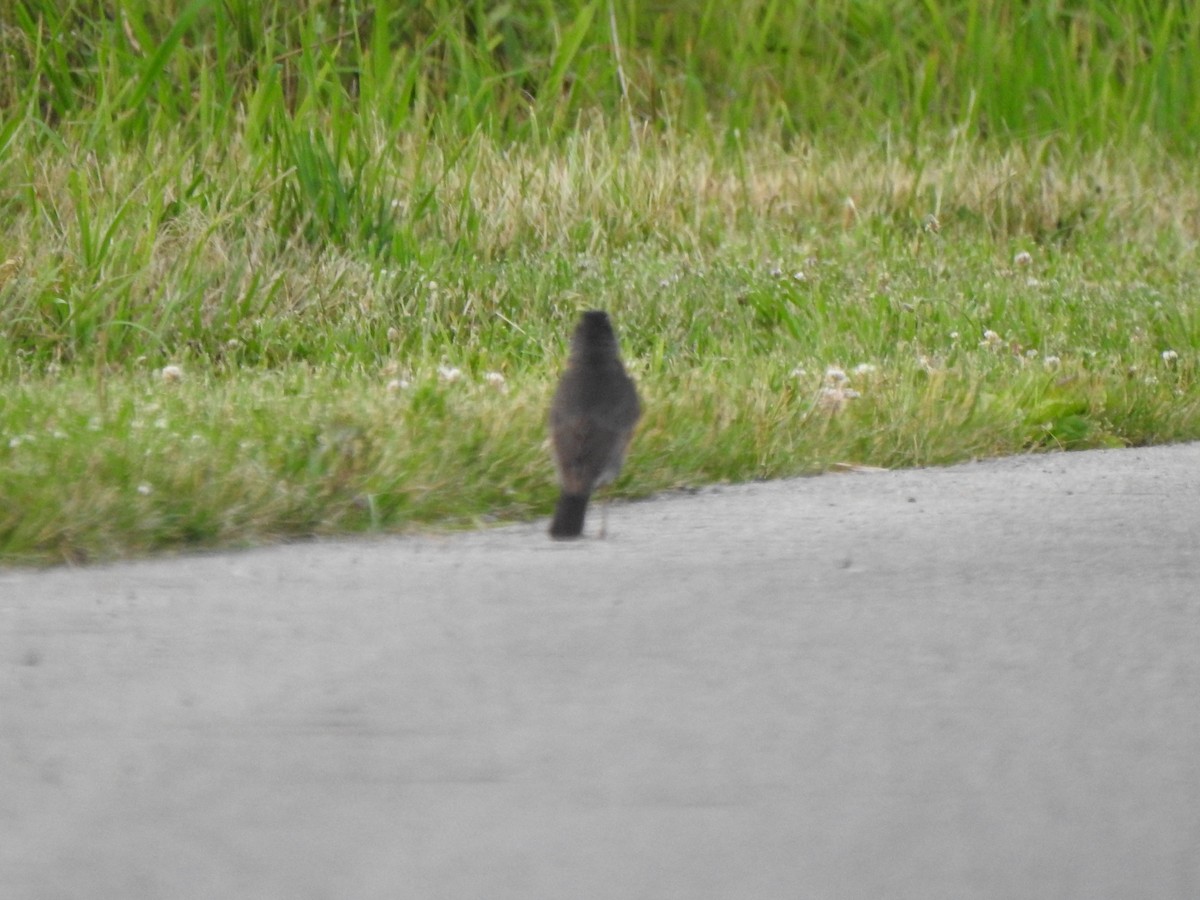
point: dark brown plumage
(591, 420)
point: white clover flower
(495, 380)
(798, 372)
(1022, 259)
(991, 340)
(834, 399)
(145, 490)
(450, 374)
(171, 374)
(1169, 356)
(864, 369)
(799, 276)
(835, 375)
(1051, 362)
(396, 385)
(954, 335)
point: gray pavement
(974, 682)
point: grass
(289, 270)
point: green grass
(363, 240)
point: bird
(592, 417)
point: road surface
(973, 682)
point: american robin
(591, 420)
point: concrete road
(976, 682)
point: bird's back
(594, 410)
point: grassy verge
(308, 275)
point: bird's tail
(568, 515)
